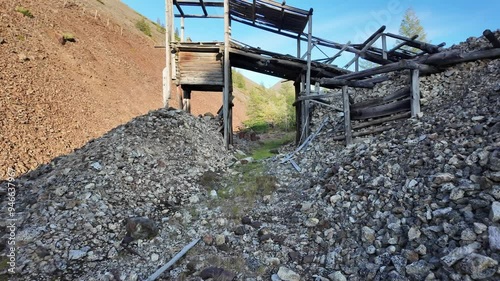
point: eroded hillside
(57, 97)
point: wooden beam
(381, 110)
(429, 48)
(491, 37)
(206, 3)
(364, 133)
(415, 92)
(381, 120)
(401, 44)
(199, 16)
(455, 56)
(179, 8)
(403, 64)
(343, 82)
(367, 44)
(347, 116)
(203, 7)
(399, 94)
(339, 53)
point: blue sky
(341, 21)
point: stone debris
(416, 202)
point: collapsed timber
(396, 105)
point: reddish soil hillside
(55, 98)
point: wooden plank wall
(200, 68)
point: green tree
(410, 26)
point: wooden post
(415, 92)
(347, 116)
(227, 73)
(307, 90)
(167, 71)
(298, 47)
(298, 109)
(182, 29)
(384, 47)
(186, 101)
(356, 64)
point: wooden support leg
(347, 116)
(415, 92)
(298, 110)
(186, 102)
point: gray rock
(443, 178)
(413, 233)
(287, 274)
(78, 254)
(367, 234)
(494, 237)
(494, 160)
(478, 266)
(460, 253)
(399, 263)
(441, 212)
(495, 211)
(418, 270)
(337, 276)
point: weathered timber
(381, 110)
(395, 48)
(399, 94)
(200, 68)
(364, 133)
(415, 92)
(491, 37)
(347, 115)
(455, 56)
(367, 44)
(429, 48)
(381, 120)
(342, 82)
(403, 64)
(227, 72)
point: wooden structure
(207, 66)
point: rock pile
(417, 202)
(72, 212)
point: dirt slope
(55, 97)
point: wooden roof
(265, 14)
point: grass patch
(264, 151)
(24, 11)
(143, 26)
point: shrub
(24, 11)
(143, 26)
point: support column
(347, 115)
(167, 74)
(182, 29)
(415, 92)
(227, 75)
(307, 90)
(186, 102)
(298, 115)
